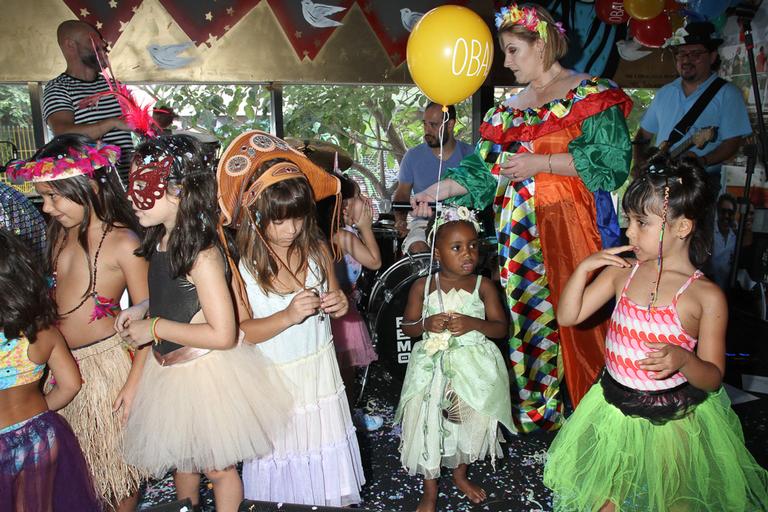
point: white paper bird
(317, 14)
(631, 50)
(167, 56)
(410, 18)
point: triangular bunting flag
(394, 20)
(309, 24)
(110, 17)
(205, 21)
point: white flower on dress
(436, 341)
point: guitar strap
(690, 117)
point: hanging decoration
(651, 33)
(109, 17)
(394, 20)
(611, 12)
(206, 21)
(308, 24)
(644, 9)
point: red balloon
(611, 12)
(672, 6)
(652, 33)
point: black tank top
(172, 299)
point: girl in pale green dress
(456, 389)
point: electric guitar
(699, 138)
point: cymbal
(322, 153)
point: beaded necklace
(103, 306)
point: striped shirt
(65, 93)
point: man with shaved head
(63, 108)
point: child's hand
(334, 304)
(304, 304)
(126, 316)
(124, 401)
(364, 212)
(437, 323)
(605, 258)
(460, 324)
(138, 333)
(664, 360)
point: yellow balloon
(644, 9)
(450, 52)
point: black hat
(696, 32)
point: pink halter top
(631, 326)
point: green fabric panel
(474, 175)
(603, 152)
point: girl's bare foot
(474, 492)
(428, 501)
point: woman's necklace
(542, 87)
(90, 291)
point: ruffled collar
(505, 124)
(559, 107)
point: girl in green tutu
(657, 432)
(456, 389)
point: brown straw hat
(242, 160)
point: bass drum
(385, 310)
(386, 238)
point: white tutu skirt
(316, 461)
(206, 414)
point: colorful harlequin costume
(545, 226)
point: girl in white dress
(268, 192)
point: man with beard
(419, 169)
(696, 59)
(63, 108)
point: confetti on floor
(515, 485)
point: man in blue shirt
(696, 60)
(420, 167)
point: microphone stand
(745, 15)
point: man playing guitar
(695, 100)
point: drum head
(385, 310)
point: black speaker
(268, 506)
(176, 506)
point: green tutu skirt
(695, 463)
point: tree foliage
(14, 105)
(372, 123)
(223, 110)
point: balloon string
(438, 206)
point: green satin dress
(455, 394)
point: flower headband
(449, 213)
(76, 163)
(527, 17)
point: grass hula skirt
(695, 463)
(104, 367)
